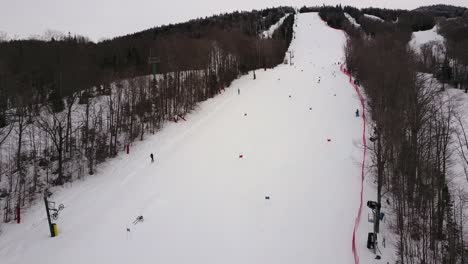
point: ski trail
(202, 203)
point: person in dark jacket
(152, 157)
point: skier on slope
(357, 112)
(152, 157)
(238, 91)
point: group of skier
(238, 92)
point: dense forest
(68, 104)
(441, 10)
(41, 69)
(413, 123)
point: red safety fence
(358, 217)
(361, 99)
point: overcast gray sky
(99, 19)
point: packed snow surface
(291, 134)
(269, 32)
(420, 38)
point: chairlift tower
(50, 207)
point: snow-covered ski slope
(269, 32)
(204, 204)
(420, 38)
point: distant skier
(152, 157)
(238, 91)
(357, 112)
(138, 219)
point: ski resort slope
(419, 38)
(204, 204)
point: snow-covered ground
(352, 20)
(269, 32)
(202, 201)
(420, 38)
(374, 17)
(458, 183)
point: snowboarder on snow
(152, 157)
(357, 112)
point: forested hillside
(413, 117)
(42, 69)
(68, 104)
